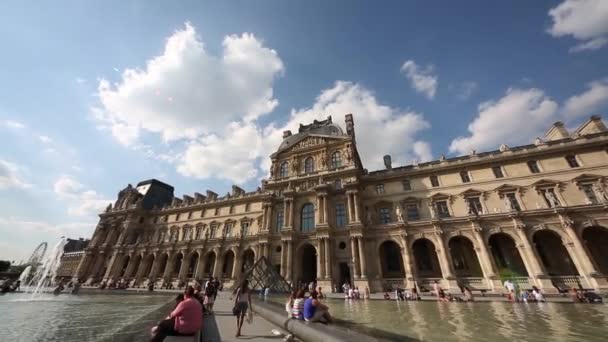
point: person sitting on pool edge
(185, 320)
(315, 311)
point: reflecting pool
(94, 317)
(478, 321)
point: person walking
(242, 302)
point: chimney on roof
(387, 162)
(286, 134)
(237, 191)
(350, 125)
(188, 199)
(199, 197)
(557, 132)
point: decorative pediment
(544, 183)
(411, 199)
(246, 219)
(587, 178)
(507, 188)
(439, 196)
(471, 192)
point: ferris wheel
(38, 254)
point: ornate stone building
(536, 214)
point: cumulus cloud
(586, 103)
(465, 90)
(10, 176)
(421, 79)
(520, 114)
(584, 20)
(81, 202)
(380, 129)
(186, 92)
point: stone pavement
(221, 326)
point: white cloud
(45, 139)
(10, 176)
(81, 202)
(13, 124)
(585, 20)
(380, 129)
(520, 114)
(465, 90)
(586, 103)
(421, 79)
(186, 93)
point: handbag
(235, 310)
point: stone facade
(536, 214)
(73, 251)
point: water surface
(478, 321)
(68, 318)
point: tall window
(203, 213)
(308, 217)
(309, 165)
(442, 209)
(513, 201)
(217, 211)
(283, 170)
(379, 189)
(336, 160)
(533, 166)
(464, 176)
(213, 231)
(340, 215)
(177, 217)
(280, 218)
(572, 162)
(497, 170)
(412, 212)
(589, 194)
(197, 234)
(245, 228)
(475, 205)
(228, 229)
(384, 215)
(247, 207)
(189, 215)
(406, 185)
(434, 181)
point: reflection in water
(479, 321)
(69, 318)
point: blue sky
(98, 94)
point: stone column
(154, 270)
(321, 258)
(216, 264)
(529, 253)
(327, 259)
(485, 259)
(97, 265)
(200, 266)
(291, 210)
(579, 255)
(444, 259)
(289, 262)
(283, 258)
(325, 209)
(169, 268)
(236, 268)
(285, 213)
(362, 259)
(356, 206)
(110, 265)
(349, 211)
(407, 261)
(354, 252)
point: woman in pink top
(185, 320)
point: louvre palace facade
(536, 214)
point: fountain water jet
(46, 272)
(25, 274)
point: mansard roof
(317, 128)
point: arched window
(283, 170)
(309, 165)
(308, 217)
(336, 160)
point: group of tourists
(309, 309)
(351, 292)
